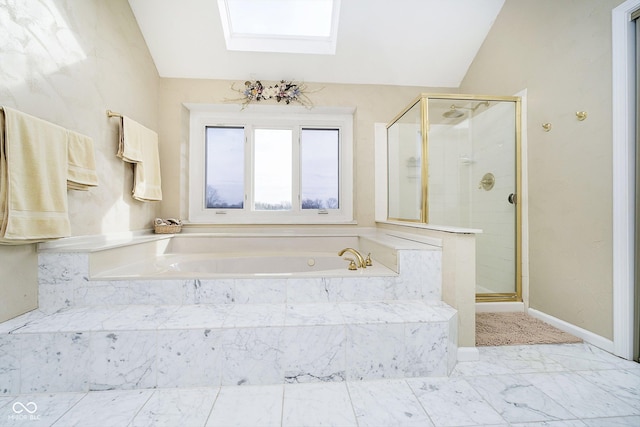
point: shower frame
(423, 101)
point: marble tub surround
(99, 330)
(66, 280)
(107, 253)
(76, 272)
(137, 347)
(602, 390)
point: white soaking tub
(210, 256)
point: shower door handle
(512, 198)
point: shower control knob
(512, 198)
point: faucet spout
(361, 261)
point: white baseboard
(499, 307)
(468, 354)
(590, 337)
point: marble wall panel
(189, 358)
(375, 351)
(314, 354)
(55, 362)
(10, 350)
(123, 360)
(252, 356)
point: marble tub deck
(544, 385)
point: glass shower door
(454, 160)
(404, 155)
(473, 181)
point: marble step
(144, 346)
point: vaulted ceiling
(395, 42)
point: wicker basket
(167, 228)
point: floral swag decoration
(284, 91)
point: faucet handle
(352, 263)
(368, 261)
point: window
(224, 165)
(270, 165)
(273, 157)
(288, 26)
(320, 172)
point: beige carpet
(517, 329)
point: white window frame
(269, 117)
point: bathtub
(258, 264)
(209, 256)
(217, 265)
(218, 268)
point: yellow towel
(139, 145)
(81, 173)
(132, 136)
(34, 178)
(147, 182)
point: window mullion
(248, 168)
(295, 170)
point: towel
(147, 182)
(139, 145)
(132, 137)
(81, 173)
(33, 179)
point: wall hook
(546, 127)
(581, 115)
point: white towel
(139, 145)
(33, 179)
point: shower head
(455, 112)
(452, 113)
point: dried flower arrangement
(284, 91)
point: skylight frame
(320, 45)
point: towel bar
(113, 114)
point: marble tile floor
(543, 385)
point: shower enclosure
(454, 160)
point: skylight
(286, 26)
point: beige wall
(560, 51)
(373, 104)
(68, 62)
